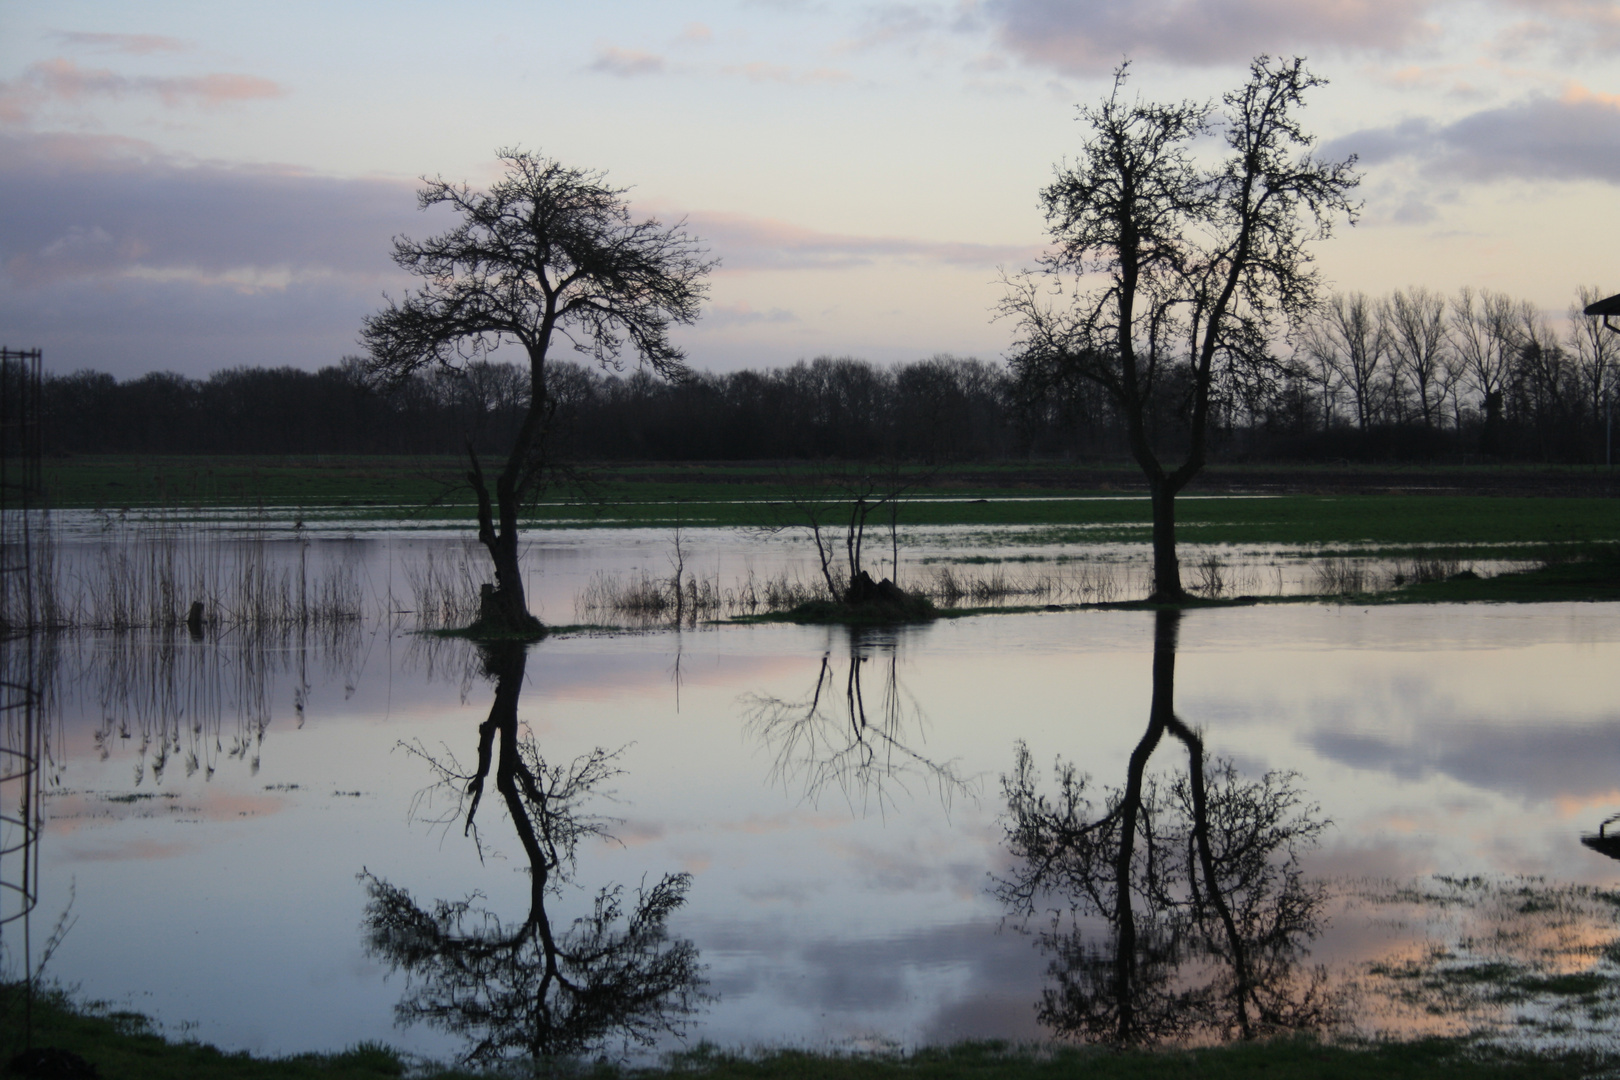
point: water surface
(835, 796)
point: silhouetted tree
(1199, 264)
(547, 250)
(1347, 336)
(1415, 320)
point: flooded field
(784, 835)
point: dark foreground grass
(126, 1045)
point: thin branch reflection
(849, 735)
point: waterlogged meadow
(659, 827)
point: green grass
(126, 1045)
(757, 495)
(1589, 574)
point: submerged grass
(127, 1045)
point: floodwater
(261, 837)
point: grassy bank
(125, 1045)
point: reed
(444, 589)
(1081, 583)
(146, 575)
(1341, 577)
(647, 600)
(1421, 570)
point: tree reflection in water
(834, 737)
(523, 988)
(1196, 879)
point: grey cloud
(718, 316)
(114, 257)
(761, 244)
(1539, 139)
(1090, 37)
(626, 63)
(84, 208)
(131, 328)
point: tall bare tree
(1346, 335)
(1199, 264)
(1416, 322)
(547, 250)
(1485, 334)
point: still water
(250, 833)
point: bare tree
(1485, 334)
(1416, 322)
(547, 250)
(1346, 336)
(1199, 265)
(1541, 378)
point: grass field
(125, 1045)
(1078, 504)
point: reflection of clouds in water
(1343, 857)
(926, 864)
(1547, 761)
(940, 983)
(1400, 719)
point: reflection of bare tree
(1197, 880)
(832, 738)
(523, 988)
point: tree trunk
(1166, 568)
(502, 607)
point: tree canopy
(547, 250)
(1199, 264)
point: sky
(196, 186)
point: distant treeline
(1412, 376)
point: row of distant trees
(1411, 376)
(1416, 359)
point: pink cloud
(1571, 28)
(135, 44)
(64, 80)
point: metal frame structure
(22, 723)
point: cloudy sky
(192, 186)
